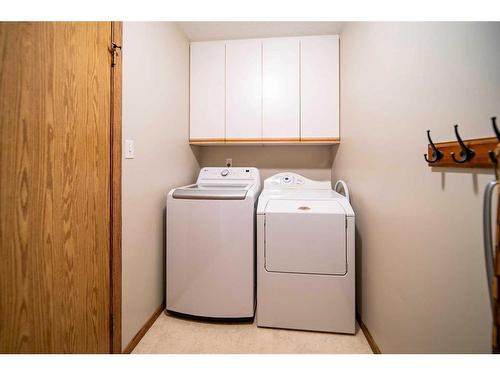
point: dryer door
(305, 236)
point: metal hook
(435, 154)
(491, 154)
(494, 124)
(466, 153)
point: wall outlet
(229, 162)
(129, 149)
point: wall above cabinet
(265, 91)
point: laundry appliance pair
(296, 237)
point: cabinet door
(207, 91)
(320, 87)
(243, 90)
(280, 88)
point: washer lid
(212, 191)
(305, 236)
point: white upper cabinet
(319, 87)
(207, 91)
(244, 90)
(265, 90)
(280, 89)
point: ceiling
(198, 31)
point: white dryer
(305, 256)
(210, 257)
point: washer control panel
(228, 173)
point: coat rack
(469, 153)
(478, 153)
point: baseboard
(139, 335)
(368, 335)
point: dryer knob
(224, 172)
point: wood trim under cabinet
(139, 335)
(265, 141)
(116, 192)
(368, 335)
(321, 140)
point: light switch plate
(129, 149)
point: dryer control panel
(291, 179)
(294, 180)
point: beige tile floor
(176, 335)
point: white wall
(156, 116)
(310, 161)
(422, 285)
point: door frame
(116, 189)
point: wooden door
(207, 91)
(280, 89)
(319, 56)
(55, 187)
(243, 90)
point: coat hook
(491, 154)
(466, 153)
(494, 124)
(435, 154)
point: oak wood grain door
(55, 187)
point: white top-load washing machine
(305, 256)
(210, 270)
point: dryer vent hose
(344, 188)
